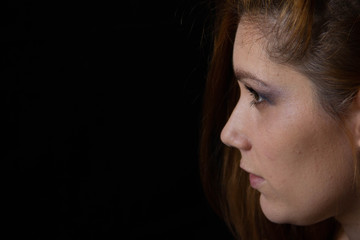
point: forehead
(250, 55)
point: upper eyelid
(250, 82)
(270, 95)
(254, 92)
(249, 88)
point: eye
(257, 98)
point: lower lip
(255, 181)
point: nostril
(244, 145)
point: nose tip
(233, 137)
(225, 137)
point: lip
(255, 181)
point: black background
(103, 104)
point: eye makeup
(260, 96)
(261, 91)
(257, 98)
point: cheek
(290, 138)
(306, 201)
(308, 170)
(280, 143)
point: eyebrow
(241, 75)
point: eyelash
(257, 98)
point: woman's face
(298, 157)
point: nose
(233, 134)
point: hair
(318, 38)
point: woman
(283, 97)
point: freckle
(298, 151)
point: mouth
(255, 181)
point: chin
(282, 215)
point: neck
(341, 235)
(352, 231)
(350, 223)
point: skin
(285, 137)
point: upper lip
(249, 171)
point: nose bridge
(234, 132)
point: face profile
(280, 137)
(298, 157)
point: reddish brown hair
(320, 39)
